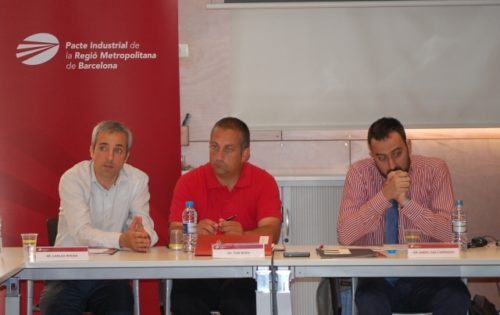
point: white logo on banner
(37, 49)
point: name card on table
(238, 250)
(49, 253)
(204, 246)
(433, 250)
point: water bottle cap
(459, 202)
(392, 251)
(189, 204)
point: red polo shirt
(254, 197)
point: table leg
(12, 297)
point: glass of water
(29, 246)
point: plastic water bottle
(460, 225)
(189, 222)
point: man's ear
(246, 155)
(91, 151)
(408, 145)
(370, 151)
(126, 158)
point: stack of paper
(339, 252)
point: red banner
(64, 66)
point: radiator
(310, 210)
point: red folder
(204, 243)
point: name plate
(238, 250)
(48, 253)
(433, 250)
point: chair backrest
(52, 230)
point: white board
(337, 67)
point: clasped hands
(136, 236)
(397, 186)
(209, 227)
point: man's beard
(397, 168)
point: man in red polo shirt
(227, 186)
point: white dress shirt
(91, 215)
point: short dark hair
(234, 124)
(381, 129)
(111, 126)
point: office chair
(328, 297)
(52, 230)
(51, 235)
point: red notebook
(204, 243)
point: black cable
(274, 291)
(274, 298)
(492, 237)
(480, 241)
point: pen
(227, 219)
(230, 217)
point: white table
(158, 263)
(161, 263)
(11, 263)
(475, 262)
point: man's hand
(230, 227)
(136, 237)
(397, 186)
(207, 227)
